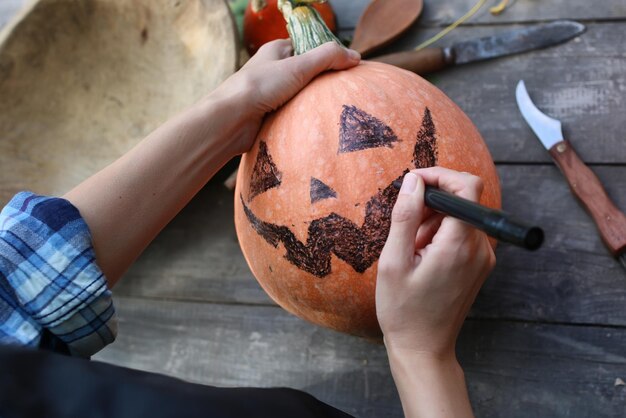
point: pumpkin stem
(257, 5)
(306, 28)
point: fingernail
(409, 184)
(354, 55)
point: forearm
(429, 386)
(130, 201)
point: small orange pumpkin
(314, 195)
(263, 22)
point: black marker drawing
(359, 130)
(321, 191)
(359, 246)
(425, 151)
(265, 174)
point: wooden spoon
(382, 22)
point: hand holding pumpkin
(273, 76)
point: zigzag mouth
(359, 246)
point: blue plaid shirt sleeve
(49, 279)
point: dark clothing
(44, 384)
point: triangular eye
(265, 174)
(360, 130)
(321, 191)
(425, 151)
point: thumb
(405, 219)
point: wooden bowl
(81, 82)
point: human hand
(272, 77)
(431, 267)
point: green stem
(306, 28)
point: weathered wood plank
(523, 369)
(535, 370)
(443, 13)
(197, 256)
(572, 278)
(582, 83)
(440, 13)
(233, 345)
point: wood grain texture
(196, 257)
(440, 13)
(373, 30)
(444, 13)
(572, 278)
(582, 83)
(421, 62)
(512, 369)
(611, 222)
(234, 345)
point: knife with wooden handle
(516, 41)
(611, 222)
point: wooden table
(547, 335)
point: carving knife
(611, 222)
(428, 60)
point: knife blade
(585, 185)
(428, 60)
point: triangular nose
(321, 191)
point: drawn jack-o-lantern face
(314, 196)
(357, 245)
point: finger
(329, 56)
(427, 230)
(464, 185)
(406, 218)
(273, 51)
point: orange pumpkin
(263, 22)
(314, 195)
